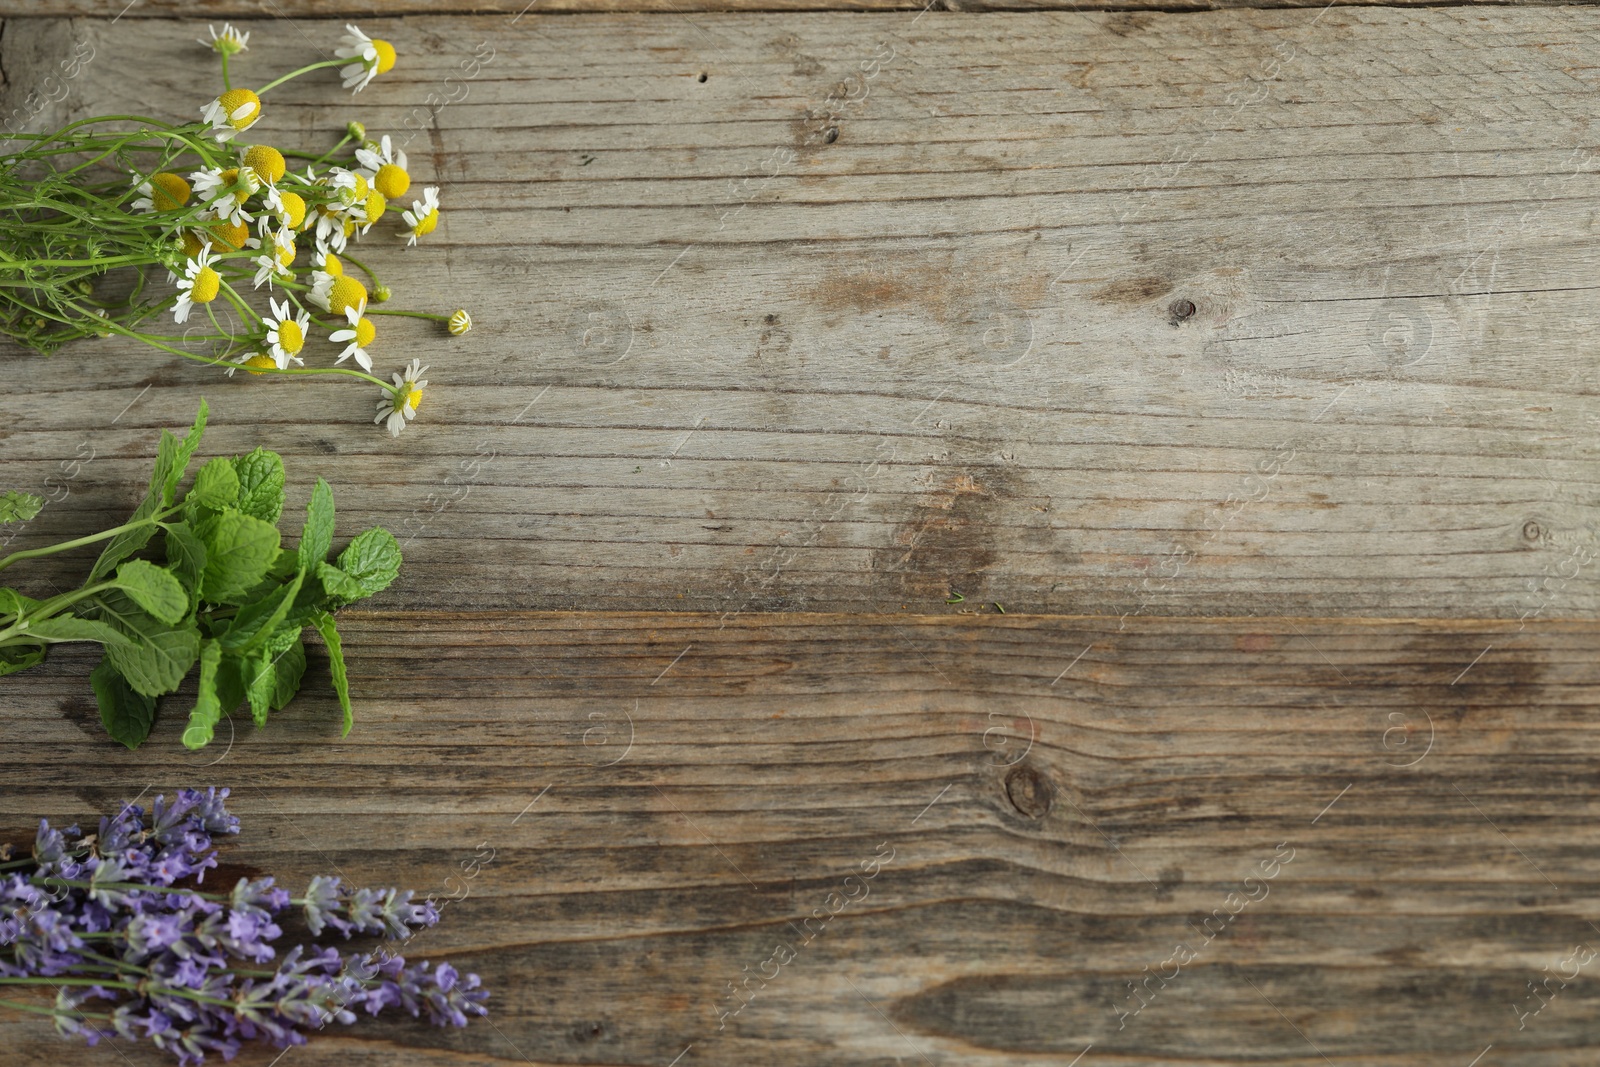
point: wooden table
(1124, 479)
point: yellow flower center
(426, 223)
(231, 234)
(191, 244)
(294, 206)
(460, 322)
(260, 361)
(331, 265)
(286, 253)
(290, 337)
(365, 331)
(267, 162)
(241, 106)
(392, 181)
(168, 191)
(231, 177)
(207, 283)
(377, 204)
(414, 398)
(346, 293)
(349, 227)
(386, 57)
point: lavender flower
(116, 922)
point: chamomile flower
(460, 322)
(290, 208)
(286, 332)
(232, 113)
(346, 293)
(423, 216)
(232, 236)
(360, 335)
(225, 192)
(371, 211)
(273, 264)
(229, 42)
(385, 167)
(372, 58)
(266, 163)
(160, 192)
(327, 263)
(331, 229)
(400, 402)
(253, 362)
(321, 288)
(200, 284)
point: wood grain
(373, 9)
(723, 363)
(1064, 801)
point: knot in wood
(1028, 792)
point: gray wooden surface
(767, 371)
(657, 822)
(791, 337)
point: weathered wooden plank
(1065, 801)
(509, 9)
(724, 363)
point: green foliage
(202, 578)
(19, 507)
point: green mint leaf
(260, 484)
(19, 507)
(257, 620)
(341, 681)
(316, 538)
(290, 667)
(239, 549)
(339, 585)
(14, 658)
(156, 663)
(217, 485)
(157, 656)
(13, 603)
(207, 708)
(130, 541)
(127, 715)
(154, 590)
(172, 459)
(186, 557)
(182, 454)
(72, 628)
(230, 682)
(261, 682)
(372, 560)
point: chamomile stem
(296, 73)
(366, 269)
(226, 85)
(407, 314)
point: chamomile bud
(460, 322)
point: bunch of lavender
(103, 920)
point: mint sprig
(201, 579)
